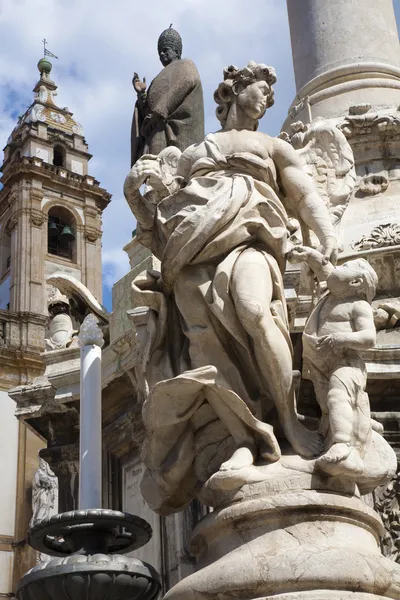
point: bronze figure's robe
(175, 97)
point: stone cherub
(340, 327)
(171, 111)
(219, 357)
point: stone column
(345, 53)
(90, 342)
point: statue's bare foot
(336, 453)
(305, 442)
(341, 458)
(241, 458)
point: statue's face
(167, 56)
(254, 98)
(345, 279)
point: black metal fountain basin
(88, 564)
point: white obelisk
(90, 475)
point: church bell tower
(50, 214)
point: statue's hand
(140, 86)
(298, 254)
(145, 170)
(332, 342)
(330, 248)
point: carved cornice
(32, 166)
(361, 120)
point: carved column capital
(90, 333)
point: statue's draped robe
(175, 97)
(230, 204)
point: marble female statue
(44, 490)
(219, 356)
(171, 111)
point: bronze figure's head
(169, 46)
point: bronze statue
(171, 111)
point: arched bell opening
(58, 156)
(61, 233)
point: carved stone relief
(381, 236)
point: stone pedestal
(292, 544)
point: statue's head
(169, 46)
(58, 306)
(250, 88)
(354, 277)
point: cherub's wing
(82, 298)
(329, 161)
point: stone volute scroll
(170, 112)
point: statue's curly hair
(236, 80)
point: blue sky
(100, 44)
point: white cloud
(100, 44)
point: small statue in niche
(44, 493)
(171, 111)
(61, 332)
(338, 329)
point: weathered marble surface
(292, 544)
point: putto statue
(339, 328)
(171, 111)
(218, 375)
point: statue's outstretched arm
(317, 262)
(300, 189)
